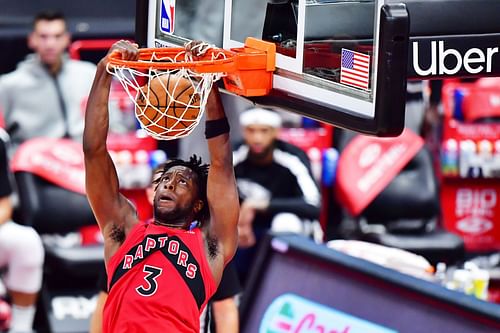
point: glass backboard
(331, 64)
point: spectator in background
(276, 187)
(21, 253)
(45, 96)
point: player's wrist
(216, 127)
(102, 65)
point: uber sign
(456, 56)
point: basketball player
(161, 274)
(223, 303)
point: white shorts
(21, 252)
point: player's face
(49, 39)
(151, 190)
(176, 198)
(259, 138)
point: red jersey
(159, 280)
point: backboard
(331, 64)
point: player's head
(49, 38)
(181, 192)
(260, 130)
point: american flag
(355, 69)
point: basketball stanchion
(170, 86)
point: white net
(169, 103)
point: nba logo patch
(167, 15)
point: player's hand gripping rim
(196, 49)
(128, 51)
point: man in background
(275, 184)
(21, 254)
(46, 95)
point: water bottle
(462, 281)
(449, 158)
(467, 162)
(330, 159)
(485, 155)
(458, 97)
(440, 275)
(480, 280)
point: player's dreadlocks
(201, 171)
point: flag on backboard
(355, 69)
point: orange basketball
(170, 107)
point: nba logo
(167, 16)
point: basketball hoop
(170, 89)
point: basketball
(168, 106)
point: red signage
(368, 164)
(471, 209)
(60, 161)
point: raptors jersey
(159, 280)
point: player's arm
(109, 206)
(222, 193)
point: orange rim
(203, 64)
(248, 69)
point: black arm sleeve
(5, 188)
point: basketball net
(154, 118)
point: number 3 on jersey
(150, 286)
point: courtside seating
(53, 210)
(406, 213)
